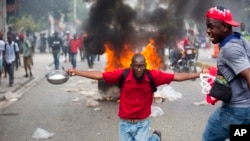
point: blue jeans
(73, 59)
(136, 132)
(90, 59)
(174, 56)
(56, 55)
(217, 128)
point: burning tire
(109, 92)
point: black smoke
(112, 21)
(109, 21)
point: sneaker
(158, 133)
(26, 75)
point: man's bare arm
(246, 75)
(185, 76)
(97, 75)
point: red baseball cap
(223, 14)
(21, 35)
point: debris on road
(98, 109)
(42, 134)
(167, 92)
(11, 96)
(79, 82)
(77, 99)
(72, 90)
(88, 93)
(156, 111)
(92, 103)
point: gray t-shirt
(234, 58)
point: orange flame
(123, 60)
(153, 59)
(115, 61)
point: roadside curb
(24, 85)
(203, 64)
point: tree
(41, 8)
(22, 23)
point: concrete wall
(3, 16)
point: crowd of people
(10, 50)
(69, 46)
(25, 44)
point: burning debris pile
(122, 27)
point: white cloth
(10, 55)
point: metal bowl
(57, 77)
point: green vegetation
(34, 13)
(22, 23)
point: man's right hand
(71, 72)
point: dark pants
(174, 56)
(82, 54)
(56, 56)
(10, 71)
(18, 61)
(97, 58)
(90, 59)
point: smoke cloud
(134, 22)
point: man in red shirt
(136, 96)
(74, 46)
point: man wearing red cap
(234, 67)
(27, 55)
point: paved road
(41, 62)
(53, 108)
(205, 57)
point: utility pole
(3, 16)
(74, 9)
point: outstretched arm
(97, 75)
(185, 76)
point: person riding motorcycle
(194, 41)
(177, 52)
(184, 57)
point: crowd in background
(12, 48)
(18, 49)
(70, 45)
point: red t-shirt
(74, 45)
(136, 97)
